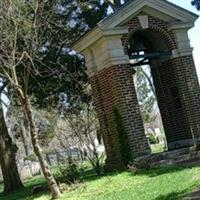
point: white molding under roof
(133, 8)
(103, 47)
(96, 34)
(113, 25)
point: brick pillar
(178, 94)
(190, 92)
(171, 107)
(119, 115)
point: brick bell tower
(162, 26)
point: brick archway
(156, 25)
(175, 79)
(165, 75)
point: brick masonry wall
(156, 25)
(190, 92)
(181, 124)
(171, 105)
(178, 97)
(113, 88)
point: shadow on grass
(183, 195)
(89, 175)
(163, 170)
(172, 196)
(25, 193)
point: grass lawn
(167, 183)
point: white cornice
(123, 14)
(112, 25)
(103, 46)
(87, 40)
(179, 25)
(173, 10)
(161, 6)
(95, 35)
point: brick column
(171, 105)
(119, 115)
(190, 92)
(178, 96)
(114, 96)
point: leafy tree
(93, 11)
(34, 53)
(146, 95)
(196, 3)
(84, 127)
(8, 151)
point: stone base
(180, 144)
(141, 154)
(179, 156)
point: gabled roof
(162, 9)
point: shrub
(71, 172)
(145, 163)
(96, 159)
(152, 139)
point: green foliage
(97, 160)
(157, 148)
(71, 172)
(196, 3)
(166, 183)
(116, 4)
(31, 157)
(93, 11)
(46, 30)
(122, 135)
(152, 139)
(146, 97)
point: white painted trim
(132, 9)
(144, 21)
(103, 47)
(179, 25)
(87, 40)
(95, 35)
(178, 53)
(112, 24)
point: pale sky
(194, 34)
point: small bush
(152, 139)
(135, 165)
(97, 160)
(71, 172)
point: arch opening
(148, 50)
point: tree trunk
(53, 187)
(25, 138)
(7, 158)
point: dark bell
(136, 46)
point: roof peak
(162, 6)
